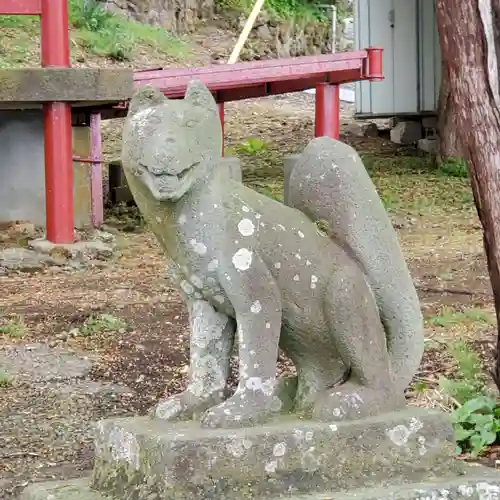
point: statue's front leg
(256, 300)
(211, 344)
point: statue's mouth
(166, 186)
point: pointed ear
(198, 94)
(145, 97)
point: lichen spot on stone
(199, 247)
(399, 435)
(268, 325)
(308, 262)
(334, 428)
(301, 234)
(314, 280)
(196, 281)
(258, 216)
(245, 209)
(187, 288)
(271, 467)
(242, 259)
(279, 449)
(297, 256)
(256, 307)
(124, 446)
(466, 491)
(487, 491)
(213, 265)
(254, 384)
(277, 265)
(282, 227)
(296, 278)
(219, 299)
(246, 227)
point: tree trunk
(470, 54)
(448, 139)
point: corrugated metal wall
(406, 29)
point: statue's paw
(240, 411)
(353, 401)
(186, 405)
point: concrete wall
(22, 183)
(22, 173)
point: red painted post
(96, 191)
(220, 107)
(57, 126)
(327, 111)
(373, 68)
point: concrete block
(370, 130)
(233, 166)
(65, 84)
(288, 164)
(408, 132)
(158, 459)
(429, 145)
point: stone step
(182, 460)
(477, 483)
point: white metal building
(407, 31)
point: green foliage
(476, 421)
(470, 380)
(311, 10)
(102, 323)
(5, 379)
(476, 424)
(113, 35)
(253, 145)
(14, 328)
(453, 167)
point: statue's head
(168, 144)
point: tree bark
(470, 54)
(447, 126)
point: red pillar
(327, 111)
(220, 107)
(57, 126)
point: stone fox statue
(342, 305)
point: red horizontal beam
(329, 68)
(21, 7)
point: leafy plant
(253, 145)
(476, 420)
(476, 424)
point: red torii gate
(228, 83)
(54, 34)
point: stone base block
(182, 460)
(476, 483)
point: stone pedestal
(402, 455)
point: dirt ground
(128, 324)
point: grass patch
(98, 31)
(449, 317)
(14, 328)
(99, 324)
(5, 379)
(115, 36)
(414, 185)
